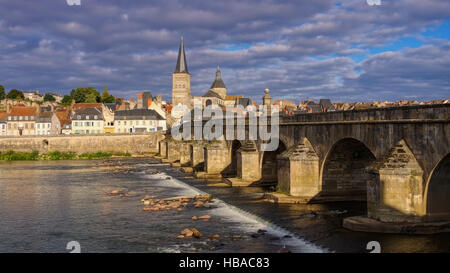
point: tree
(85, 94)
(2, 92)
(106, 97)
(66, 100)
(15, 94)
(49, 97)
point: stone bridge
(395, 159)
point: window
(32, 125)
(38, 126)
(9, 125)
(95, 117)
(78, 116)
(9, 118)
(20, 118)
(87, 117)
(26, 118)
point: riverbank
(57, 155)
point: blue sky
(342, 50)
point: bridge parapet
(436, 112)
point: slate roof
(181, 61)
(88, 114)
(218, 82)
(137, 114)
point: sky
(341, 50)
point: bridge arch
(231, 169)
(437, 192)
(269, 163)
(343, 171)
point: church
(181, 89)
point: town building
(144, 100)
(138, 121)
(44, 123)
(66, 128)
(3, 117)
(21, 121)
(33, 95)
(87, 121)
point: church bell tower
(181, 80)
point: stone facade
(134, 144)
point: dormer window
(95, 117)
(87, 117)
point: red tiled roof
(23, 111)
(63, 116)
(78, 106)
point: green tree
(15, 94)
(2, 92)
(66, 100)
(106, 97)
(49, 97)
(85, 94)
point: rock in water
(180, 236)
(196, 233)
(214, 237)
(187, 232)
(204, 217)
(194, 218)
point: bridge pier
(185, 155)
(217, 159)
(197, 156)
(248, 167)
(298, 171)
(173, 151)
(163, 148)
(396, 193)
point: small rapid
(247, 222)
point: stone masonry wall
(134, 144)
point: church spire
(218, 82)
(181, 62)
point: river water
(46, 204)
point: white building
(87, 121)
(138, 121)
(43, 125)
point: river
(46, 204)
